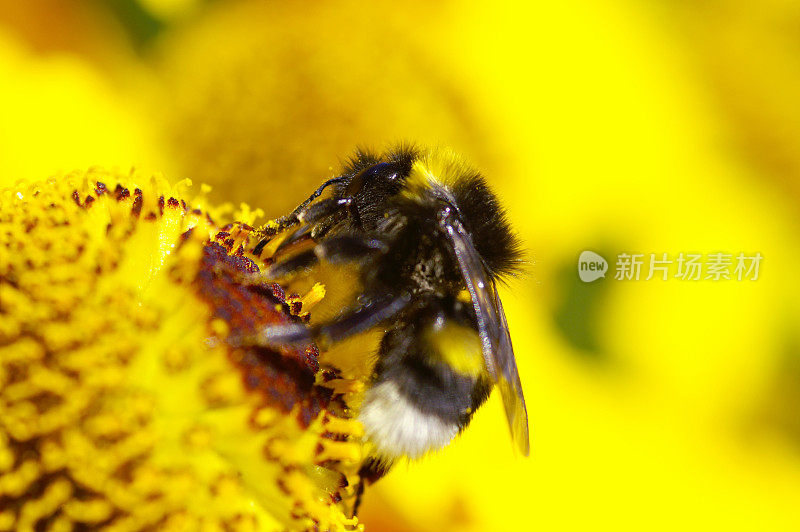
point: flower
(122, 405)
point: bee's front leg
(292, 218)
(335, 250)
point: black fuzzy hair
(404, 153)
(487, 221)
(360, 160)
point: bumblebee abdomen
(418, 400)
(397, 427)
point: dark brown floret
(137, 202)
(285, 376)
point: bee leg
(294, 237)
(293, 265)
(316, 219)
(323, 209)
(361, 319)
(322, 228)
(372, 470)
(352, 322)
(292, 218)
(348, 248)
(286, 241)
(336, 250)
(297, 235)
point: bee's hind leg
(372, 470)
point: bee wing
(510, 385)
(493, 330)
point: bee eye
(387, 171)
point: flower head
(122, 405)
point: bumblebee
(430, 241)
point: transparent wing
(510, 385)
(493, 331)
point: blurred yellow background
(617, 126)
